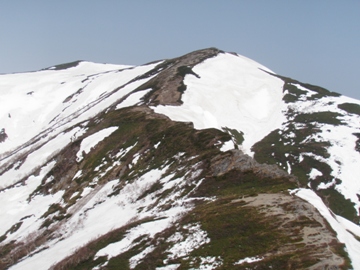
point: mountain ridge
(188, 162)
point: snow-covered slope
(236, 93)
(51, 102)
(116, 167)
(232, 92)
(32, 101)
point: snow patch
(194, 240)
(168, 267)
(157, 145)
(15, 205)
(132, 99)
(249, 260)
(209, 263)
(149, 229)
(314, 173)
(327, 185)
(229, 145)
(91, 141)
(135, 260)
(233, 92)
(78, 174)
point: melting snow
(37, 157)
(134, 261)
(227, 146)
(169, 267)
(194, 240)
(249, 260)
(133, 99)
(148, 229)
(343, 158)
(78, 174)
(314, 173)
(234, 92)
(15, 205)
(25, 116)
(91, 141)
(115, 211)
(209, 263)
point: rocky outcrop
(236, 160)
(303, 225)
(168, 85)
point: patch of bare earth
(309, 232)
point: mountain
(205, 161)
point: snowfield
(232, 91)
(36, 123)
(28, 108)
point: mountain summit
(205, 161)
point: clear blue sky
(314, 41)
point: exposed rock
(303, 224)
(237, 160)
(168, 85)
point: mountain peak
(208, 160)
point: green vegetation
(303, 169)
(83, 258)
(350, 108)
(235, 232)
(238, 136)
(52, 209)
(321, 92)
(293, 94)
(357, 144)
(269, 150)
(238, 231)
(280, 148)
(338, 204)
(319, 117)
(231, 229)
(65, 65)
(235, 183)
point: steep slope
(319, 144)
(231, 92)
(150, 167)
